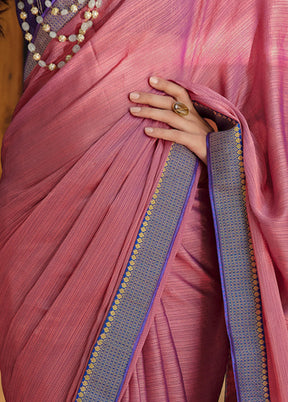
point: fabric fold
(79, 174)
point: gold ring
(180, 108)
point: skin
(190, 130)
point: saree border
(112, 354)
(238, 270)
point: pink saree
(110, 249)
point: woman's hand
(190, 130)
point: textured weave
(79, 173)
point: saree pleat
(189, 322)
(78, 177)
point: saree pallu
(91, 208)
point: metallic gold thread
(254, 276)
(121, 291)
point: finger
(157, 101)
(212, 125)
(172, 89)
(196, 143)
(170, 118)
(164, 116)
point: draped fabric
(79, 173)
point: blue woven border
(111, 356)
(238, 269)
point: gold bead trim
(254, 275)
(123, 286)
(78, 38)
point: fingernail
(135, 109)
(148, 130)
(154, 80)
(134, 95)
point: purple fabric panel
(185, 352)
(31, 18)
(215, 223)
(78, 173)
(163, 270)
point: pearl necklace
(89, 14)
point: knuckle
(181, 137)
(169, 117)
(180, 91)
(146, 98)
(158, 132)
(152, 112)
(143, 97)
(183, 91)
(145, 111)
